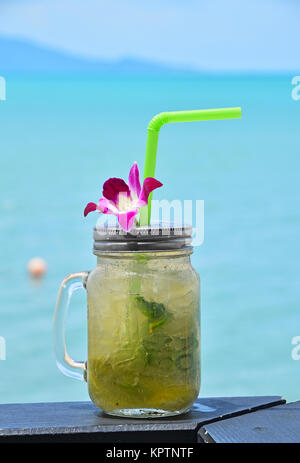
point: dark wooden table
(279, 424)
(83, 422)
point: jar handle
(68, 366)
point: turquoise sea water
(62, 136)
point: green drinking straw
(175, 116)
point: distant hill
(22, 56)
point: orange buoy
(37, 267)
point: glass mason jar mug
(143, 323)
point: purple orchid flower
(124, 200)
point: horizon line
(157, 65)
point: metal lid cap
(154, 237)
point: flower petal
(107, 207)
(134, 180)
(126, 219)
(112, 187)
(149, 185)
(89, 208)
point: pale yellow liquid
(135, 362)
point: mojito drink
(143, 335)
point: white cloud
(209, 34)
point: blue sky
(228, 35)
